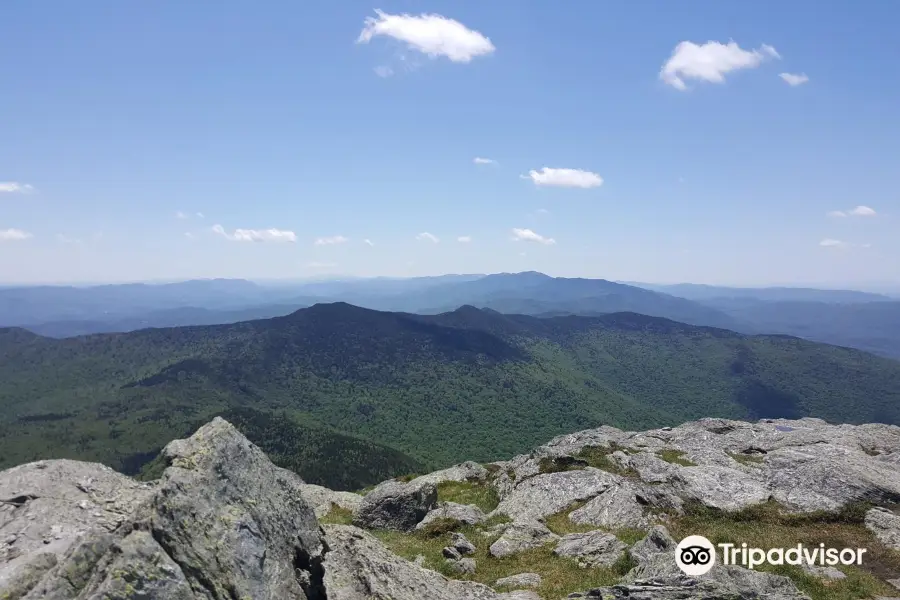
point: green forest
(347, 396)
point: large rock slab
(549, 493)
(591, 549)
(49, 505)
(657, 541)
(396, 505)
(222, 522)
(661, 579)
(615, 508)
(359, 567)
(521, 536)
(522, 580)
(323, 499)
(464, 513)
(720, 487)
(467, 471)
(885, 525)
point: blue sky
(285, 123)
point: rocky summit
(594, 514)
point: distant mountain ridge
(845, 317)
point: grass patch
(676, 457)
(560, 524)
(498, 519)
(406, 478)
(561, 576)
(560, 464)
(337, 516)
(466, 492)
(598, 457)
(769, 525)
(746, 459)
(440, 527)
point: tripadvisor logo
(696, 555)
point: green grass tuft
(482, 495)
(676, 457)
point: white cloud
(330, 241)
(257, 235)
(527, 235)
(180, 215)
(13, 187)
(321, 265)
(859, 211)
(711, 62)
(564, 178)
(425, 236)
(464, 239)
(189, 235)
(794, 79)
(484, 161)
(383, 71)
(368, 242)
(542, 211)
(14, 235)
(862, 211)
(830, 243)
(432, 35)
(200, 215)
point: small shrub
(440, 527)
(598, 457)
(560, 464)
(337, 516)
(625, 563)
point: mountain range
(850, 318)
(401, 389)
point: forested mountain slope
(430, 390)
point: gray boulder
(720, 487)
(826, 573)
(463, 565)
(592, 549)
(660, 579)
(467, 471)
(885, 525)
(655, 542)
(462, 544)
(522, 580)
(616, 507)
(396, 505)
(323, 499)
(550, 493)
(222, 522)
(49, 505)
(359, 567)
(521, 536)
(468, 514)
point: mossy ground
(769, 526)
(560, 576)
(676, 457)
(764, 526)
(468, 492)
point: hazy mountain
(482, 383)
(870, 326)
(694, 291)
